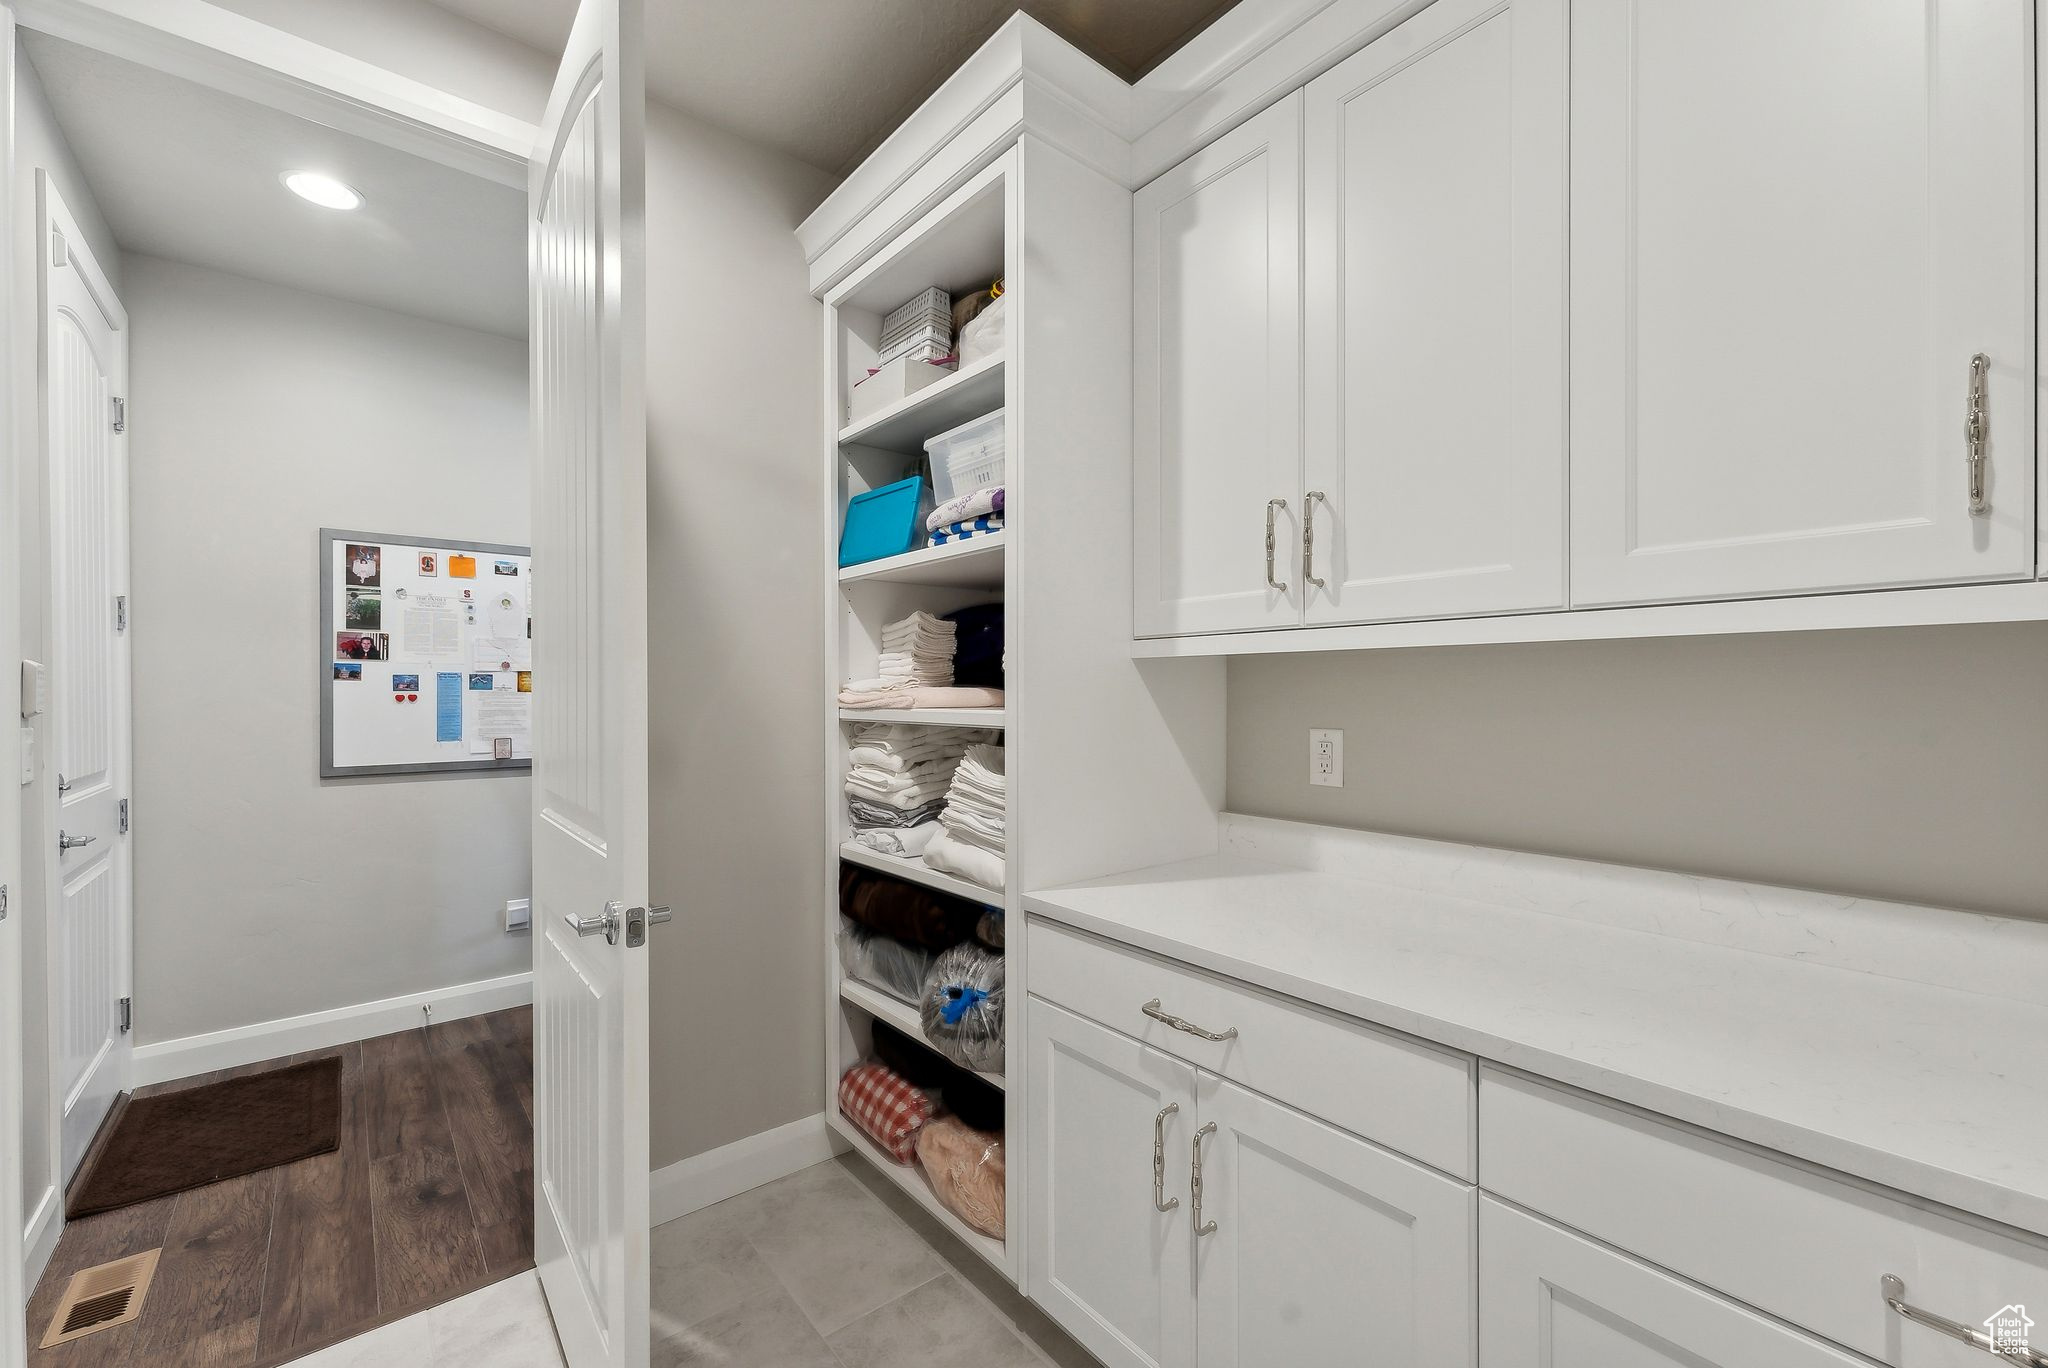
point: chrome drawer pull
(1160, 1201)
(1151, 1009)
(1195, 1183)
(1975, 432)
(1894, 1289)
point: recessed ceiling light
(325, 191)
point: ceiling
(826, 80)
(186, 172)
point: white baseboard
(701, 1180)
(171, 1059)
(39, 1242)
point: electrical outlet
(519, 914)
(1326, 757)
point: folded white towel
(950, 855)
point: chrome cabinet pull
(1308, 536)
(1976, 432)
(1151, 1009)
(1195, 1184)
(1894, 1290)
(1273, 507)
(1160, 1201)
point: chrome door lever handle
(605, 924)
(65, 842)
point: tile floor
(827, 1268)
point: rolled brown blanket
(910, 912)
(966, 1170)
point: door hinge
(120, 612)
(124, 816)
(120, 407)
(127, 1015)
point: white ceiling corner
(186, 172)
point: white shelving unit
(1016, 168)
(963, 246)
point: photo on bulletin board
(419, 675)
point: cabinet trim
(1796, 613)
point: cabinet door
(1794, 223)
(1105, 1262)
(1327, 1250)
(1217, 428)
(1435, 185)
(1551, 1299)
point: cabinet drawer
(1771, 1232)
(1402, 1093)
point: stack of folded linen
(897, 780)
(915, 670)
(974, 514)
(972, 841)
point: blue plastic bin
(884, 522)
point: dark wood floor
(429, 1196)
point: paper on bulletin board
(430, 627)
(500, 713)
(502, 643)
(448, 706)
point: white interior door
(84, 373)
(1794, 224)
(1326, 1249)
(1435, 259)
(587, 263)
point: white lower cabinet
(1326, 1249)
(1301, 1244)
(1553, 1299)
(1105, 1262)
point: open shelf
(902, 1016)
(918, 872)
(991, 718)
(976, 563)
(911, 1178)
(904, 425)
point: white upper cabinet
(1218, 384)
(1435, 183)
(1794, 223)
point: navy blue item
(883, 522)
(978, 646)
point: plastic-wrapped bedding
(897, 969)
(990, 930)
(887, 1107)
(909, 912)
(966, 1170)
(962, 1009)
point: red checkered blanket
(891, 1110)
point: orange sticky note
(462, 567)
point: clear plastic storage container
(969, 457)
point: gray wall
(39, 144)
(261, 414)
(1909, 763)
(737, 630)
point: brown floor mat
(175, 1141)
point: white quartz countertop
(1936, 1091)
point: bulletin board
(425, 655)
